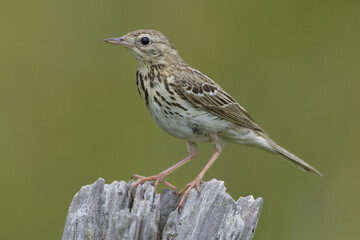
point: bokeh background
(70, 112)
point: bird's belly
(190, 125)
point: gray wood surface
(114, 211)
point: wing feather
(206, 94)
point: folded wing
(206, 94)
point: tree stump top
(114, 211)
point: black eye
(145, 41)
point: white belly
(177, 116)
(192, 125)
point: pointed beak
(119, 41)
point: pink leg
(192, 147)
(198, 179)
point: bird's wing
(206, 94)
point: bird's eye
(145, 41)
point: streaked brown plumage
(189, 105)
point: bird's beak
(119, 41)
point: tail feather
(294, 159)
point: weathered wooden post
(114, 211)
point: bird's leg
(159, 178)
(198, 179)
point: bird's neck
(165, 61)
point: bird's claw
(186, 190)
(157, 178)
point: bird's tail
(288, 155)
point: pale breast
(173, 114)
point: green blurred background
(70, 112)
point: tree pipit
(189, 105)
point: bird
(187, 104)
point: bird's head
(148, 46)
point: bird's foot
(186, 190)
(157, 178)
